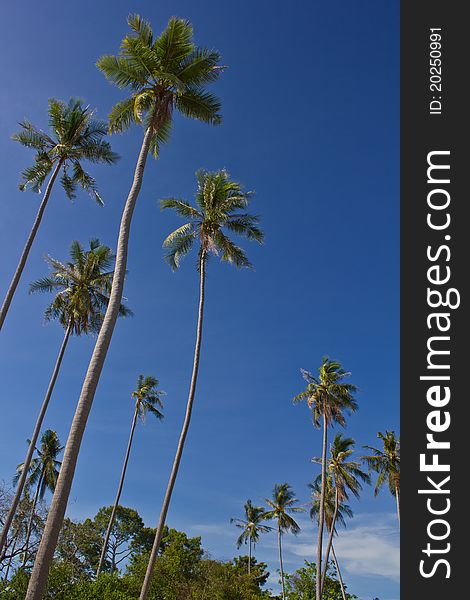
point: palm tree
(75, 136)
(346, 475)
(386, 462)
(342, 511)
(43, 472)
(251, 527)
(218, 201)
(148, 399)
(164, 74)
(328, 397)
(82, 288)
(281, 504)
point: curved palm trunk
(279, 539)
(12, 555)
(118, 495)
(27, 247)
(397, 496)
(343, 591)
(330, 538)
(249, 553)
(184, 431)
(38, 580)
(31, 519)
(32, 445)
(321, 514)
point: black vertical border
(421, 133)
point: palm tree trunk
(279, 538)
(184, 431)
(31, 519)
(343, 591)
(249, 553)
(397, 496)
(27, 247)
(38, 580)
(32, 444)
(321, 512)
(118, 495)
(330, 537)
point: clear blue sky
(311, 112)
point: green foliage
(328, 395)
(385, 462)
(163, 74)
(218, 200)
(82, 287)
(259, 571)
(75, 136)
(301, 584)
(148, 398)
(251, 525)
(283, 503)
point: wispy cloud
(370, 547)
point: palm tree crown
(74, 136)
(82, 287)
(343, 510)
(328, 395)
(346, 475)
(44, 469)
(219, 201)
(386, 462)
(163, 74)
(251, 525)
(282, 503)
(148, 398)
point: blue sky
(311, 113)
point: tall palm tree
(81, 288)
(43, 472)
(342, 511)
(282, 503)
(346, 476)
(164, 74)
(148, 399)
(75, 136)
(328, 397)
(218, 201)
(386, 462)
(251, 527)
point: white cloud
(368, 548)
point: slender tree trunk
(31, 519)
(321, 512)
(343, 591)
(38, 580)
(279, 539)
(32, 444)
(118, 495)
(184, 431)
(249, 553)
(397, 496)
(330, 537)
(12, 555)
(27, 247)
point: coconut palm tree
(328, 397)
(282, 505)
(163, 74)
(148, 399)
(74, 137)
(81, 288)
(346, 476)
(251, 527)
(342, 511)
(42, 473)
(219, 201)
(386, 463)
